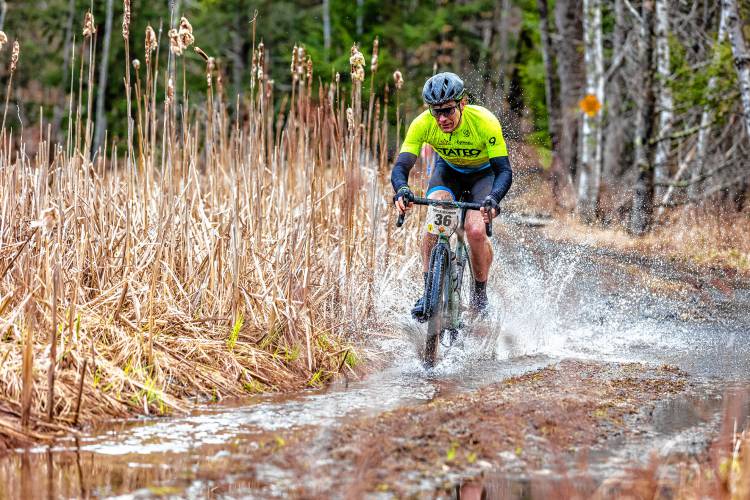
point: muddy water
(551, 302)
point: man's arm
(503, 177)
(500, 186)
(401, 169)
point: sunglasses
(437, 112)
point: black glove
(404, 193)
(490, 203)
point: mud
(549, 419)
(541, 420)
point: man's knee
(475, 233)
(439, 193)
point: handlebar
(446, 204)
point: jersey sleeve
(493, 136)
(415, 136)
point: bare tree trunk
(360, 14)
(589, 179)
(3, 11)
(60, 106)
(327, 29)
(569, 66)
(504, 50)
(238, 57)
(550, 89)
(664, 93)
(642, 209)
(694, 190)
(615, 127)
(101, 116)
(741, 56)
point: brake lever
(488, 226)
(400, 221)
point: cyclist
(472, 157)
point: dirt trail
(546, 419)
(602, 358)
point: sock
(480, 287)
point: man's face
(447, 114)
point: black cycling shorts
(477, 184)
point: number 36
(443, 219)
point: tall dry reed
(206, 258)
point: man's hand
(489, 209)
(403, 199)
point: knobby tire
(438, 296)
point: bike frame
(457, 264)
(459, 257)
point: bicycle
(442, 296)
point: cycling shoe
(418, 311)
(479, 302)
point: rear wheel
(438, 296)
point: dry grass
(706, 235)
(205, 258)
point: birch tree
(664, 97)
(327, 29)
(101, 116)
(550, 89)
(589, 179)
(569, 65)
(642, 208)
(3, 11)
(707, 115)
(740, 54)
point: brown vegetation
(202, 259)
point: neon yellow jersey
(467, 149)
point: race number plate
(442, 220)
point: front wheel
(438, 295)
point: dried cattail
(170, 91)
(150, 43)
(338, 77)
(301, 61)
(126, 20)
(136, 64)
(14, 56)
(350, 118)
(357, 59)
(309, 69)
(186, 33)
(374, 60)
(3, 39)
(398, 79)
(201, 53)
(293, 67)
(174, 42)
(261, 59)
(88, 25)
(357, 63)
(210, 65)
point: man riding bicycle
(472, 157)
